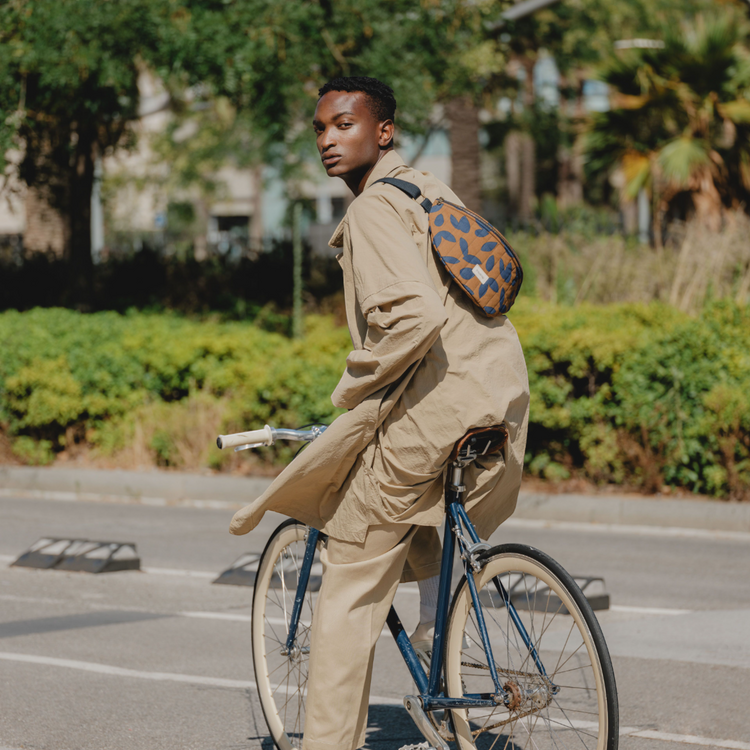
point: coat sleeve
(396, 296)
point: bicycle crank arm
(414, 706)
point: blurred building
(252, 209)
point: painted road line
(227, 616)
(96, 497)
(690, 739)
(32, 600)
(179, 572)
(87, 666)
(648, 610)
(107, 669)
(231, 617)
(632, 530)
(151, 571)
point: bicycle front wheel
(561, 684)
(281, 673)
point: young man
(426, 367)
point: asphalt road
(160, 659)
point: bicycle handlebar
(267, 436)
(254, 437)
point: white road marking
(247, 618)
(151, 571)
(225, 616)
(87, 666)
(107, 669)
(630, 529)
(31, 599)
(648, 610)
(180, 572)
(96, 497)
(690, 739)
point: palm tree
(680, 121)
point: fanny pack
(473, 252)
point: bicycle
(518, 657)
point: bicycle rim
(577, 706)
(281, 677)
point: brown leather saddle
(481, 441)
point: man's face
(349, 137)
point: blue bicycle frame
(456, 522)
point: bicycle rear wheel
(281, 677)
(575, 705)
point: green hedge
(68, 378)
(636, 394)
(641, 394)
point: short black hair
(380, 98)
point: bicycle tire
(570, 644)
(281, 679)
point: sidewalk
(217, 491)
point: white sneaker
(421, 641)
(420, 746)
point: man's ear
(385, 136)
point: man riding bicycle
(426, 367)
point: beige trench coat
(426, 367)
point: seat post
(457, 478)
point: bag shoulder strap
(410, 189)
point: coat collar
(389, 163)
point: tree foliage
(68, 90)
(681, 120)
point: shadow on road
(73, 622)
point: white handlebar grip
(262, 437)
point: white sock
(428, 598)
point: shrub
(640, 394)
(632, 393)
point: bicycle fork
(290, 647)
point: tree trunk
(528, 149)
(256, 220)
(46, 229)
(513, 169)
(528, 178)
(78, 252)
(466, 177)
(570, 176)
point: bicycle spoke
(535, 718)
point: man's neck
(356, 181)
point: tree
(272, 57)
(681, 120)
(68, 93)
(579, 34)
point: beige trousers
(359, 583)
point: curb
(136, 487)
(165, 488)
(707, 515)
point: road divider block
(243, 571)
(79, 555)
(540, 599)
